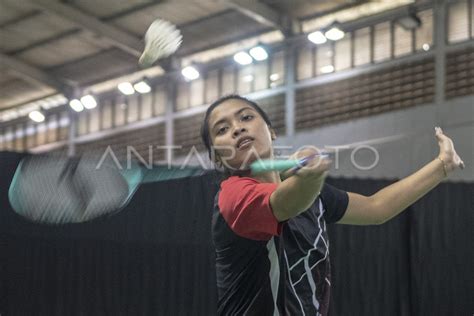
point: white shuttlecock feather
(161, 40)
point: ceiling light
(327, 69)
(426, 47)
(243, 58)
(258, 53)
(247, 78)
(36, 116)
(274, 77)
(126, 88)
(190, 73)
(88, 101)
(142, 87)
(76, 105)
(410, 22)
(317, 37)
(334, 33)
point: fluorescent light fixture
(317, 37)
(334, 33)
(36, 116)
(258, 53)
(126, 88)
(327, 69)
(142, 87)
(410, 22)
(88, 101)
(274, 77)
(426, 47)
(243, 58)
(247, 78)
(76, 105)
(190, 73)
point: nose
(238, 131)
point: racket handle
(261, 166)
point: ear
(273, 134)
(217, 159)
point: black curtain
(156, 256)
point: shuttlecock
(161, 40)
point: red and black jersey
(265, 267)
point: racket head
(57, 190)
(54, 190)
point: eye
(221, 130)
(247, 117)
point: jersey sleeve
(245, 205)
(335, 202)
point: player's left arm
(393, 199)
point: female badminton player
(270, 237)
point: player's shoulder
(237, 180)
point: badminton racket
(54, 190)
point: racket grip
(261, 166)
(304, 161)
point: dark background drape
(156, 256)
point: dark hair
(205, 135)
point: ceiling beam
(20, 18)
(265, 15)
(118, 38)
(33, 72)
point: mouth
(244, 142)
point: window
(424, 34)
(52, 128)
(19, 138)
(30, 135)
(2, 140)
(64, 127)
(382, 42)
(197, 92)
(94, 124)
(120, 110)
(9, 138)
(228, 79)
(160, 100)
(277, 72)
(147, 105)
(472, 18)
(245, 79)
(261, 75)
(362, 46)
(343, 53)
(304, 62)
(182, 96)
(212, 85)
(82, 122)
(403, 41)
(41, 131)
(133, 108)
(324, 57)
(458, 21)
(106, 114)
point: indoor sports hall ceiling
(51, 46)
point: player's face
(239, 135)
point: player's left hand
(447, 152)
